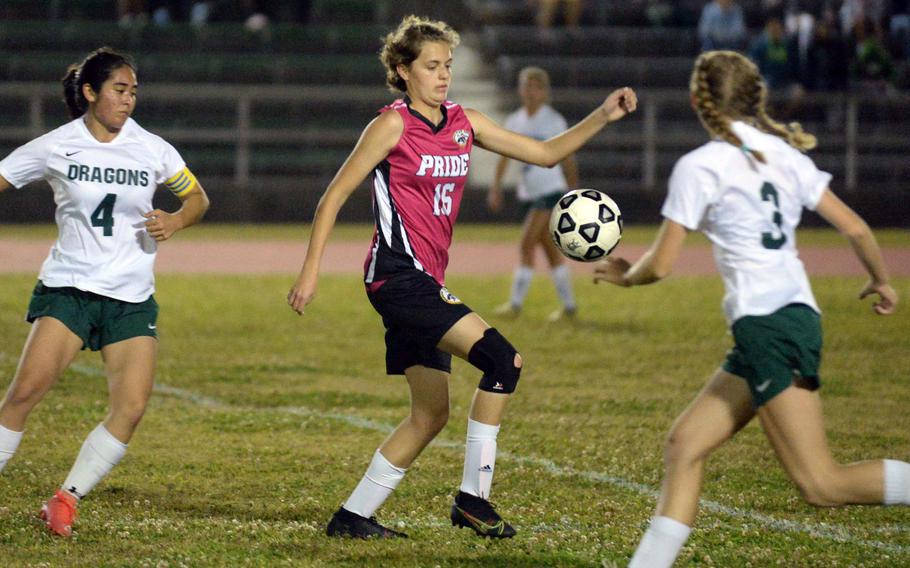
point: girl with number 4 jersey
(95, 287)
(418, 150)
(746, 190)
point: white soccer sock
(99, 454)
(563, 282)
(661, 543)
(897, 482)
(377, 484)
(521, 282)
(9, 441)
(479, 459)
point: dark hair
(402, 46)
(95, 69)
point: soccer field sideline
(832, 532)
(226, 256)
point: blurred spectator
(131, 12)
(659, 13)
(775, 55)
(722, 26)
(872, 68)
(856, 13)
(546, 12)
(828, 58)
(900, 27)
(164, 12)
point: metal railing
(895, 134)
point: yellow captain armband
(181, 183)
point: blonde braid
(710, 86)
(793, 133)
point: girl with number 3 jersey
(418, 150)
(746, 190)
(95, 287)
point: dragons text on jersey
(101, 191)
(417, 193)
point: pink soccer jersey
(417, 193)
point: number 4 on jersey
(103, 215)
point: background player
(418, 150)
(95, 287)
(539, 190)
(746, 190)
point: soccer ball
(586, 225)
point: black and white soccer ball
(586, 225)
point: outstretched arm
(491, 136)
(4, 185)
(654, 265)
(377, 140)
(852, 226)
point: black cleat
(479, 514)
(346, 523)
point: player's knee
(499, 361)
(682, 447)
(430, 423)
(819, 490)
(23, 396)
(129, 413)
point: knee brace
(495, 356)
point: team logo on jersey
(448, 297)
(461, 137)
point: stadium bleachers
(291, 138)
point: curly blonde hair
(726, 86)
(402, 46)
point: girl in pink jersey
(418, 150)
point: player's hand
(494, 200)
(612, 270)
(301, 294)
(887, 297)
(161, 225)
(620, 103)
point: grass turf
(265, 421)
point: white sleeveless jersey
(101, 191)
(546, 123)
(749, 211)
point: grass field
(263, 422)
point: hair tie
(745, 149)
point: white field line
(836, 533)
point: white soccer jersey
(101, 191)
(749, 211)
(535, 180)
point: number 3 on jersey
(442, 200)
(103, 215)
(768, 240)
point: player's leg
(794, 424)
(719, 411)
(126, 335)
(485, 348)
(130, 369)
(524, 273)
(49, 349)
(559, 269)
(429, 413)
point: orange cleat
(59, 513)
